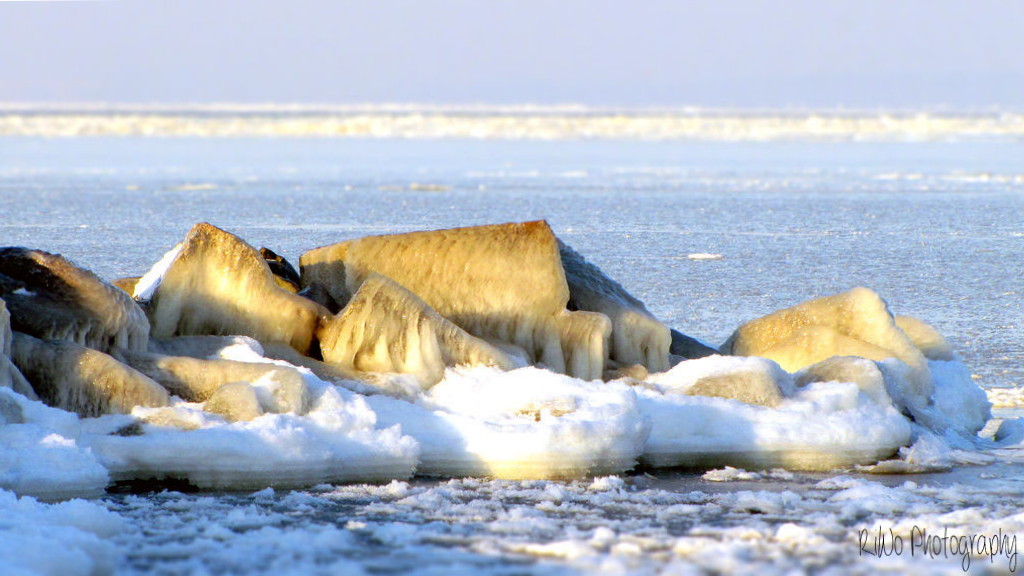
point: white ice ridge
(515, 122)
(528, 423)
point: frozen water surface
(936, 228)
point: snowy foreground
(484, 422)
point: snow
(337, 440)
(70, 538)
(150, 281)
(526, 423)
(43, 456)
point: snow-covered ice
(925, 225)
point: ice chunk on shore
(818, 427)
(43, 455)
(527, 423)
(338, 440)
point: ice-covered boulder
(755, 381)
(236, 402)
(197, 379)
(284, 273)
(502, 283)
(688, 348)
(866, 374)
(927, 339)
(10, 376)
(853, 323)
(215, 283)
(51, 298)
(386, 328)
(637, 336)
(71, 377)
(127, 284)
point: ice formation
(386, 328)
(88, 382)
(527, 423)
(853, 323)
(338, 440)
(637, 336)
(819, 426)
(196, 379)
(51, 298)
(755, 381)
(41, 454)
(235, 401)
(502, 283)
(10, 376)
(866, 374)
(218, 284)
(926, 338)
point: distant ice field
(707, 234)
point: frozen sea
(937, 228)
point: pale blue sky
(864, 53)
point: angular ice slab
(503, 283)
(215, 283)
(386, 328)
(524, 424)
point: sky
(931, 54)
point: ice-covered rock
(866, 374)
(756, 381)
(10, 376)
(689, 348)
(235, 401)
(502, 283)
(853, 323)
(196, 380)
(284, 273)
(216, 284)
(88, 382)
(927, 339)
(637, 336)
(386, 328)
(205, 347)
(52, 299)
